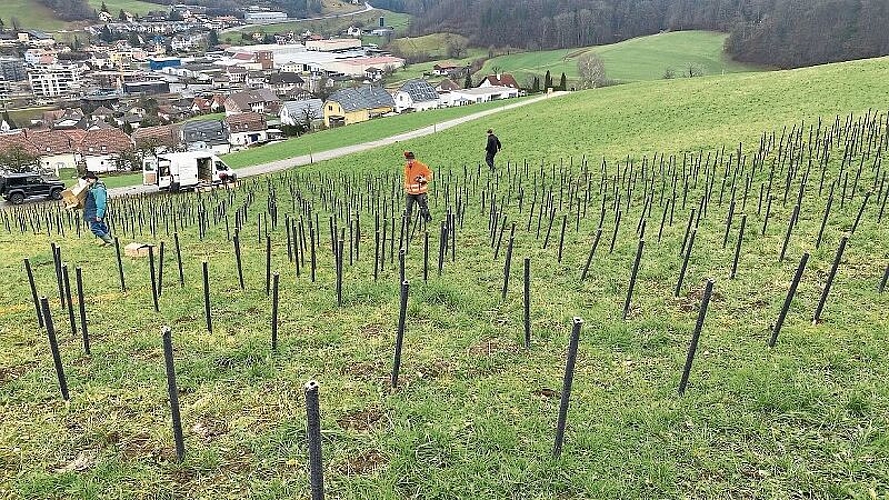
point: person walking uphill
(95, 208)
(416, 183)
(493, 147)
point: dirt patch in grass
(546, 392)
(372, 331)
(692, 301)
(434, 370)
(10, 373)
(366, 370)
(361, 421)
(365, 463)
(494, 346)
(209, 428)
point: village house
(348, 106)
(416, 95)
(247, 129)
(297, 113)
(206, 134)
(256, 101)
(499, 80)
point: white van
(175, 171)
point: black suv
(19, 187)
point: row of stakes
(311, 388)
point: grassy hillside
(429, 46)
(372, 130)
(133, 6)
(31, 14)
(638, 59)
(474, 413)
(330, 27)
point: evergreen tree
(535, 86)
(104, 8)
(547, 81)
(467, 84)
(563, 82)
(122, 16)
(212, 38)
(106, 35)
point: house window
(329, 108)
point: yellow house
(347, 106)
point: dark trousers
(99, 228)
(420, 200)
(489, 159)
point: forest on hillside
(780, 33)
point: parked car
(18, 187)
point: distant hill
(783, 33)
(643, 58)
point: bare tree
(456, 47)
(694, 70)
(669, 73)
(592, 71)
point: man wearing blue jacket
(94, 208)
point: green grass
(638, 59)
(133, 6)
(372, 130)
(434, 45)
(31, 14)
(209, 116)
(398, 21)
(417, 70)
(471, 418)
(116, 180)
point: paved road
(277, 166)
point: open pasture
(476, 409)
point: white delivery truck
(190, 169)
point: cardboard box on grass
(136, 250)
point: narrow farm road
(276, 166)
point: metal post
(173, 392)
(566, 386)
(693, 346)
(796, 278)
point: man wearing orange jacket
(416, 182)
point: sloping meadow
(792, 159)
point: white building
(333, 44)
(56, 80)
(481, 94)
(264, 16)
(416, 95)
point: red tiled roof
(17, 141)
(163, 135)
(246, 122)
(505, 80)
